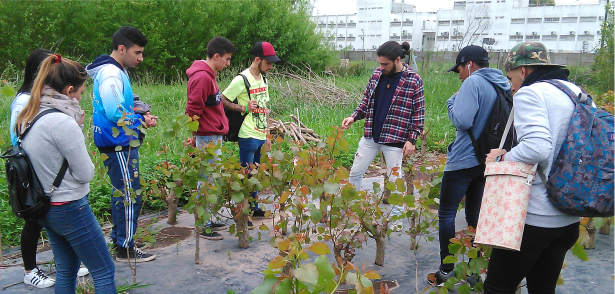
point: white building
(497, 25)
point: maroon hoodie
(205, 100)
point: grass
(169, 101)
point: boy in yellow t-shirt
(253, 132)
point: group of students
(393, 107)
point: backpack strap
(30, 124)
(583, 97)
(60, 176)
(247, 84)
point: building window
(409, 23)
(566, 38)
(551, 19)
(534, 20)
(459, 5)
(442, 38)
(517, 20)
(569, 19)
(532, 37)
(585, 38)
(588, 19)
(458, 22)
(516, 38)
(444, 23)
(549, 37)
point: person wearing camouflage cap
(542, 113)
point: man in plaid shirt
(393, 107)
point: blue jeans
(250, 152)
(455, 184)
(201, 142)
(123, 171)
(75, 236)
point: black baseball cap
(266, 51)
(470, 53)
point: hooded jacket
(112, 103)
(469, 109)
(204, 100)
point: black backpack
(491, 135)
(235, 118)
(26, 194)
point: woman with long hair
(73, 231)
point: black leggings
(539, 261)
(29, 240)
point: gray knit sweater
(542, 115)
(54, 137)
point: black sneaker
(133, 254)
(258, 213)
(215, 236)
(218, 226)
(438, 278)
(250, 225)
(473, 280)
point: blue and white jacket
(113, 104)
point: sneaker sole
(212, 238)
(137, 260)
(219, 228)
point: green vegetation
(603, 63)
(177, 33)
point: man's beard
(260, 69)
(391, 72)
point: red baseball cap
(266, 51)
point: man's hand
(150, 120)
(82, 119)
(493, 154)
(347, 122)
(267, 146)
(408, 149)
(252, 104)
(191, 141)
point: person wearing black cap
(253, 132)
(463, 175)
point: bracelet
(247, 110)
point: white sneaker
(38, 279)
(396, 226)
(83, 271)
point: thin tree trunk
(591, 231)
(284, 227)
(241, 223)
(606, 228)
(172, 204)
(381, 244)
(198, 239)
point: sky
(350, 6)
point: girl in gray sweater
(73, 231)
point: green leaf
(193, 125)
(578, 251)
(315, 213)
(115, 132)
(450, 259)
(284, 287)
(171, 185)
(236, 186)
(464, 289)
(395, 199)
(324, 267)
(266, 286)
(237, 197)
(308, 274)
(135, 143)
(443, 290)
(8, 91)
(320, 248)
(118, 148)
(331, 188)
(200, 211)
(454, 248)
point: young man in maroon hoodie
(205, 101)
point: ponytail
(57, 73)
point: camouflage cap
(528, 53)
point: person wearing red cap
(205, 101)
(253, 132)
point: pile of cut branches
(296, 130)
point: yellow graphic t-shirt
(255, 124)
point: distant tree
(476, 22)
(603, 60)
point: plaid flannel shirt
(406, 116)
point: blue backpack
(581, 179)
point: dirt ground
(223, 265)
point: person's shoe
(396, 226)
(218, 226)
(83, 271)
(134, 254)
(251, 225)
(258, 213)
(38, 279)
(438, 278)
(211, 236)
(139, 244)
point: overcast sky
(350, 6)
